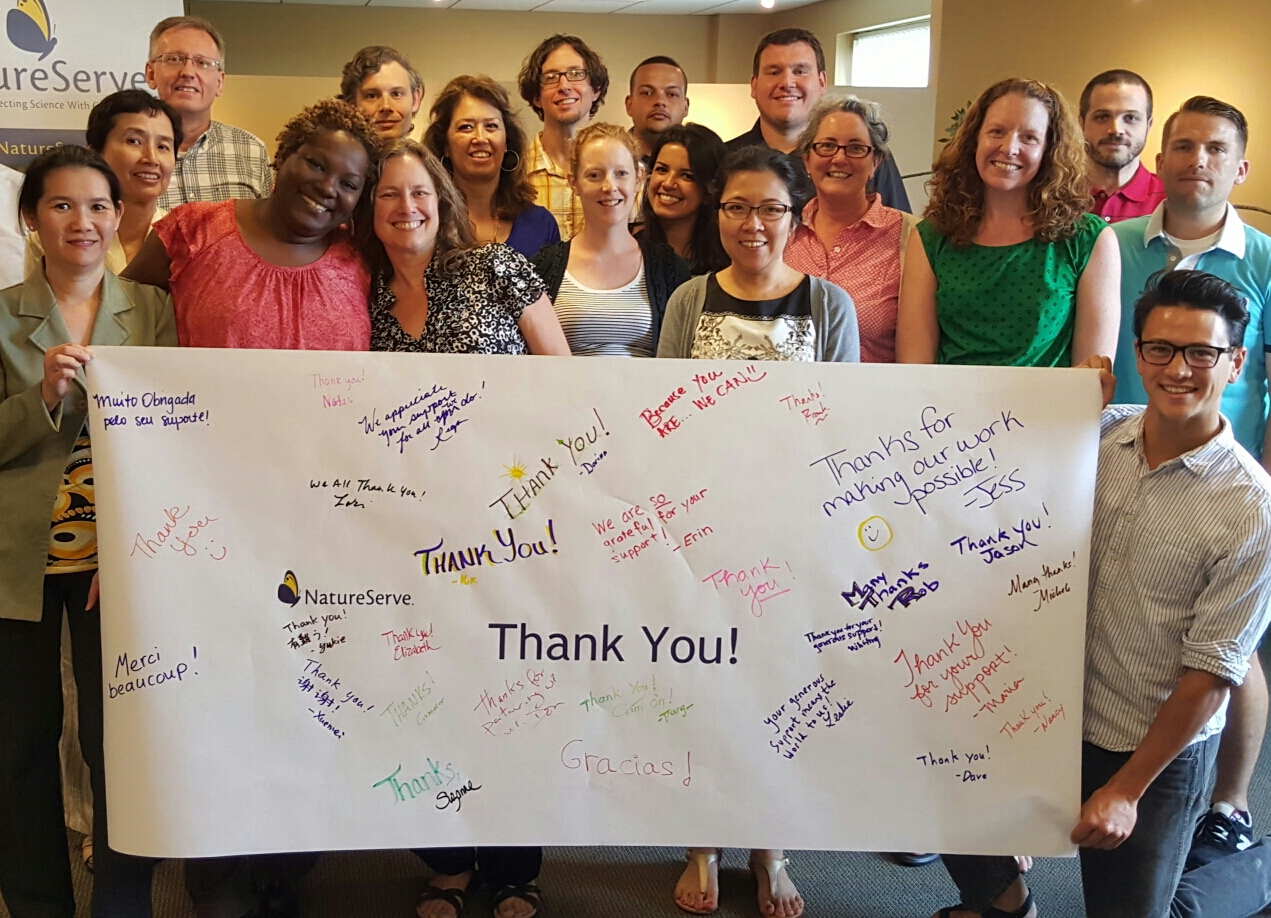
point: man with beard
(1116, 114)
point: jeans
(35, 870)
(499, 866)
(1143, 877)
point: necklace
(494, 236)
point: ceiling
(647, 7)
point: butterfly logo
(30, 29)
(289, 589)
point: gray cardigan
(833, 317)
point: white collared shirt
(1230, 239)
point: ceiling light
(767, 4)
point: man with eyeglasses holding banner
(565, 82)
(1202, 159)
(216, 161)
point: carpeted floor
(637, 882)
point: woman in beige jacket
(48, 557)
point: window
(894, 55)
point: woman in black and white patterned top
(434, 290)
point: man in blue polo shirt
(1202, 158)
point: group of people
(790, 242)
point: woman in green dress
(1007, 267)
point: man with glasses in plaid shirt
(216, 161)
(565, 82)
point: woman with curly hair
(1007, 268)
(434, 289)
(278, 272)
(281, 271)
(477, 137)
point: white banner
(60, 57)
(376, 600)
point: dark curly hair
(706, 151)
(515, 194)
(333, 115)
(455, 236)
(1058, 195)
(527, 80)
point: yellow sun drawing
(515, 471)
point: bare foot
(689, 894)
(440, 908)
(1025, 862)
(514, 907)
(778, 896)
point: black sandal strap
(527, 891)
(452, 897)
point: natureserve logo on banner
(59, 57)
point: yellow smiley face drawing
(874, 534)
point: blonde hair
(1058, 195)
(603, 130)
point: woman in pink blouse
(847, 236)
(278, 272)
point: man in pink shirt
(1116, 114)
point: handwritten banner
(379, 600)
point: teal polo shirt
(1242, 257)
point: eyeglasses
(177, 59)
(1200, 356)
(552, 77)
(768, 213)
(827, 149)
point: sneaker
(1222, 831)
(910, 859)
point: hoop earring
(515, 166)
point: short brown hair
(603, 130)
(455, 236)
(188, 22)
(1208, 105)
(1113, 78)
(515, 194)
(527, 80)
(790, 37)
(1059, 194)
(367, 63)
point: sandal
(991, 912)
(527, 891)
(86, 852)
(452, 897)
(703, 861)
(772, 867)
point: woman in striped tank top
(609, 289)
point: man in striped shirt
(1180, 578)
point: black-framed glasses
(178, 60)
(827, 149)
(552, 77)
(768, 213)
(1200, 356)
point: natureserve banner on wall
(380, 600)
(58, 58)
